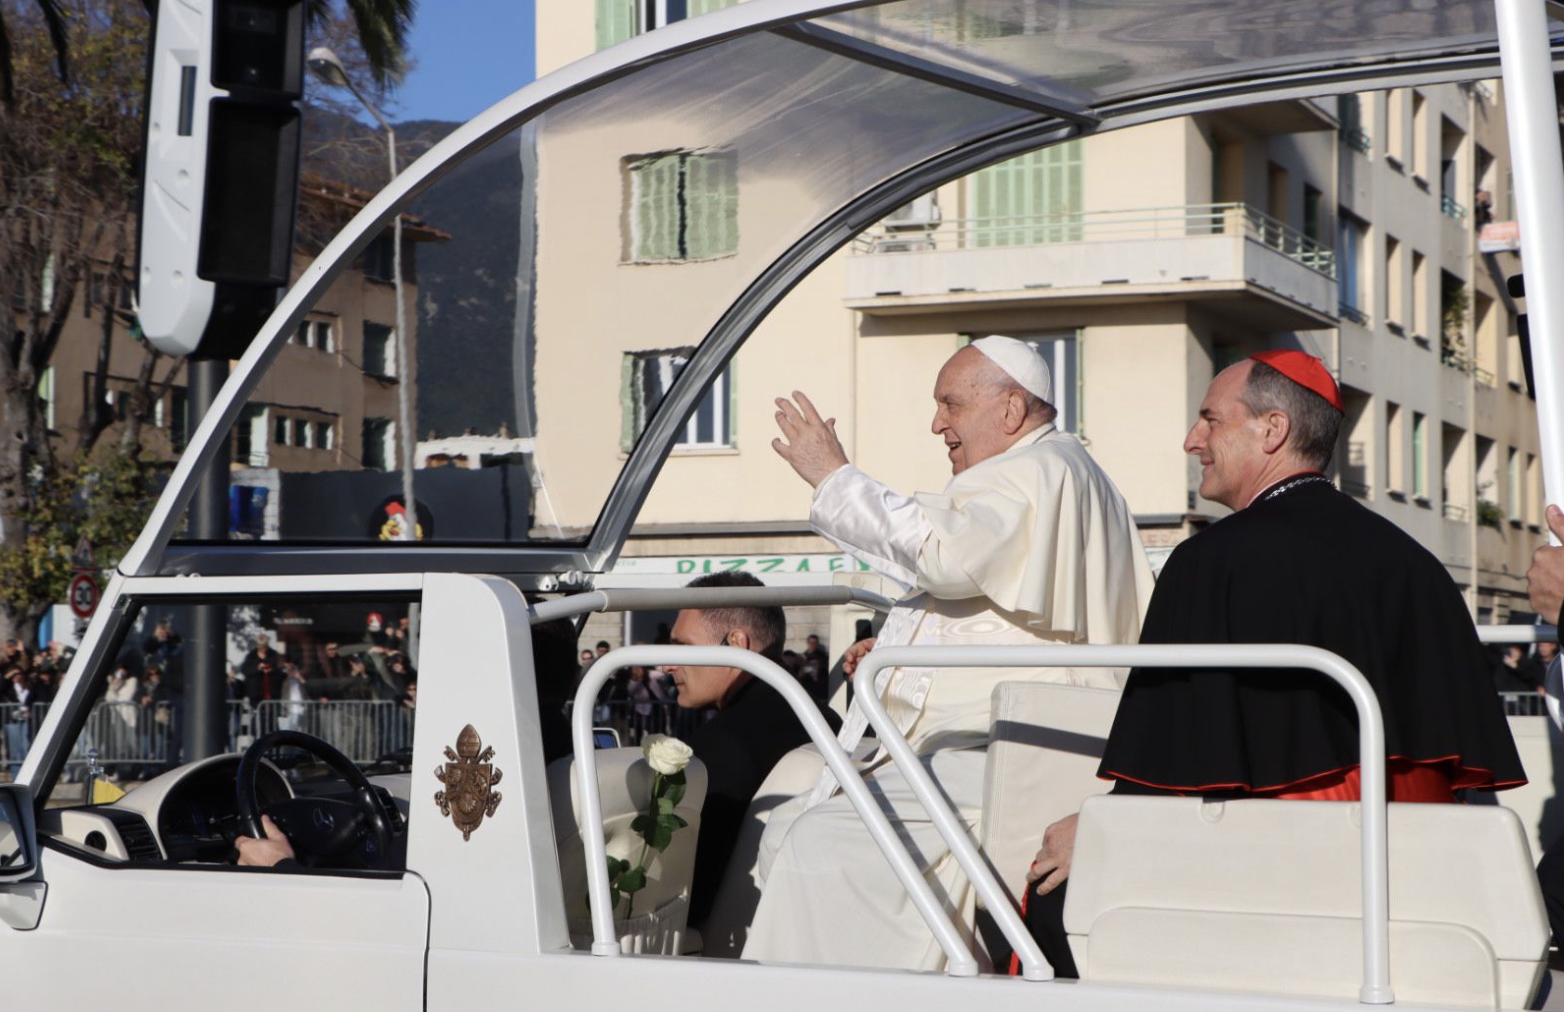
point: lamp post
(325, 65)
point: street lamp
(325, 65)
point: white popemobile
(463, 880)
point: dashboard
(187, 815)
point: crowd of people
(138, 725)
(28, 680)
(640, 700)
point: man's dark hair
(603, 645)
(1315, 421)
(766, 627)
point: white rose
(665, 754)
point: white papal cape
(1032, 545)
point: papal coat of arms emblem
(469, 782)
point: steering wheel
(323, 831)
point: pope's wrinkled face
(700, 685)
(969, 410)
(1229, 441)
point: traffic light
(220, 182)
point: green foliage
(1489, 514)
(106, 499)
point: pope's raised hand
(808, 441)
(1545, 578)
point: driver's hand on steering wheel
(264, 853)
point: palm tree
(382, 33)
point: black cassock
(1302, 564)
(1307, 564)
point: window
(1486, 362)
(379, 350)
(379, 444)
(1419, 455)
(682, 205)
(1395, 286)
(325, 436)
(1277, 185)
(1452, 146)
(618, 20)
(1454, 309)
(1395, 127)
(318, 334)
(1395, 450)
(1313, 224)
(1515, 481)
(303, 433)
(250, 437)
(1420, 297)
(1533, 491)
(646, 378)
(1030, 200)
(280, 429)
(1349, 250)
(1456, 472)
(1420, 139)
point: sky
(469, 53)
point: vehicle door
(143, 904)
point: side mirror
(18, 837)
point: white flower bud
(665, 754)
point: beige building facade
(1366, 230)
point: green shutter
(1032, 199)
(711, 196)
(615, 22)
(697, 7)
(655, 183)
(627, 406)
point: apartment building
(328, 404)
(1365, 229)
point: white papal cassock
(1031, 546)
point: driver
(272, 851)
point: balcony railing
(1454, 512)
(1452, 209)
(1134, 224)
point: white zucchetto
(1021, 362)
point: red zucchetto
(1306, 371)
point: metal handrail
(645, 599)
(604, 943)
(1175, 222)
(1371, 745)
(1518, 633)
(1371, 749)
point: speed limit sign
(84, 595)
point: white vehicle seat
(624, 782)
(1265, 896)
(727, 925)
(1045, 741)
(1537, 803)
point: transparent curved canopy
(586, 272)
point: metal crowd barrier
(634, 721)
(137, 742)
(363, 730)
